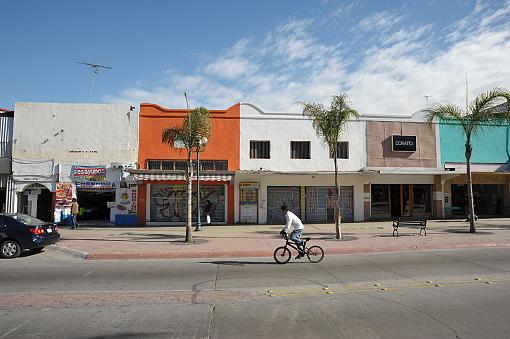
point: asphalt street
(429, 294)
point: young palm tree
(196, 127)
(483, 113)
(329, 125)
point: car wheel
(37, 249)
(10, 249)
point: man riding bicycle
(297, 231)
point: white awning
(173, 176)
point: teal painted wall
(492, 146)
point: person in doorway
(75, 209)
(297, 229)
(208, 211)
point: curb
(69, 251)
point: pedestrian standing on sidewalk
(208, 211)
(297, 229)
(75, 209)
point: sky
(390, 57)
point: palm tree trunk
(471, 207)
(189, 182)
(338, 217)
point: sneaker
(299, 256)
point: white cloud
(403, 64)
(231, 68)
(380, 21)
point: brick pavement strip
(120, 298)
(261, 240)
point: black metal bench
(420, 222)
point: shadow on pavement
(333, 238)
(142, 240)
(237, 262)
(466, 231)
(399, 236)
(128, 335)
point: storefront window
(168, 203)
(422, 195)
(488, 199)
(380, 200)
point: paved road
(433, 294)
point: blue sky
(386, 55)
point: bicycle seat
(307, 239)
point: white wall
(49, 138)
(324, 180)
(85, 134)
(282, 128)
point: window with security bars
(300, 149)
(259, 149)
(342, 150)
(181, 165)
(154, 164)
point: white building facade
(64, 150)
(282, 161)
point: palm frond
(329, 123)
(446, 113)
(489, 110)
(196, 126)
(171, 134)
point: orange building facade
(161, 168)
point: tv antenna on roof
(427, 100)
(95, 68)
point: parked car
(19, 232)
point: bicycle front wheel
(281, 255)
(315, 254)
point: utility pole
(95, 68)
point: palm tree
(483, 113)
(329, 125)
(195, 128)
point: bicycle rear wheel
(315, 254)
(281, 255)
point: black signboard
(403, 143)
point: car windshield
(26, 219)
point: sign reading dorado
(403, 143)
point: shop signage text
(89, 173)
(403, 143)
(249, 185)
(94, 185)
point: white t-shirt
(293, 220)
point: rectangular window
(167, 165)
(422, 196)
(342, 149)
(300, 149)
(182, 165)
(154, 164)
(259, 149)
(380, 201)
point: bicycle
(282, 254)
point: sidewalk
(261, 240)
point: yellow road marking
(350, 289)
